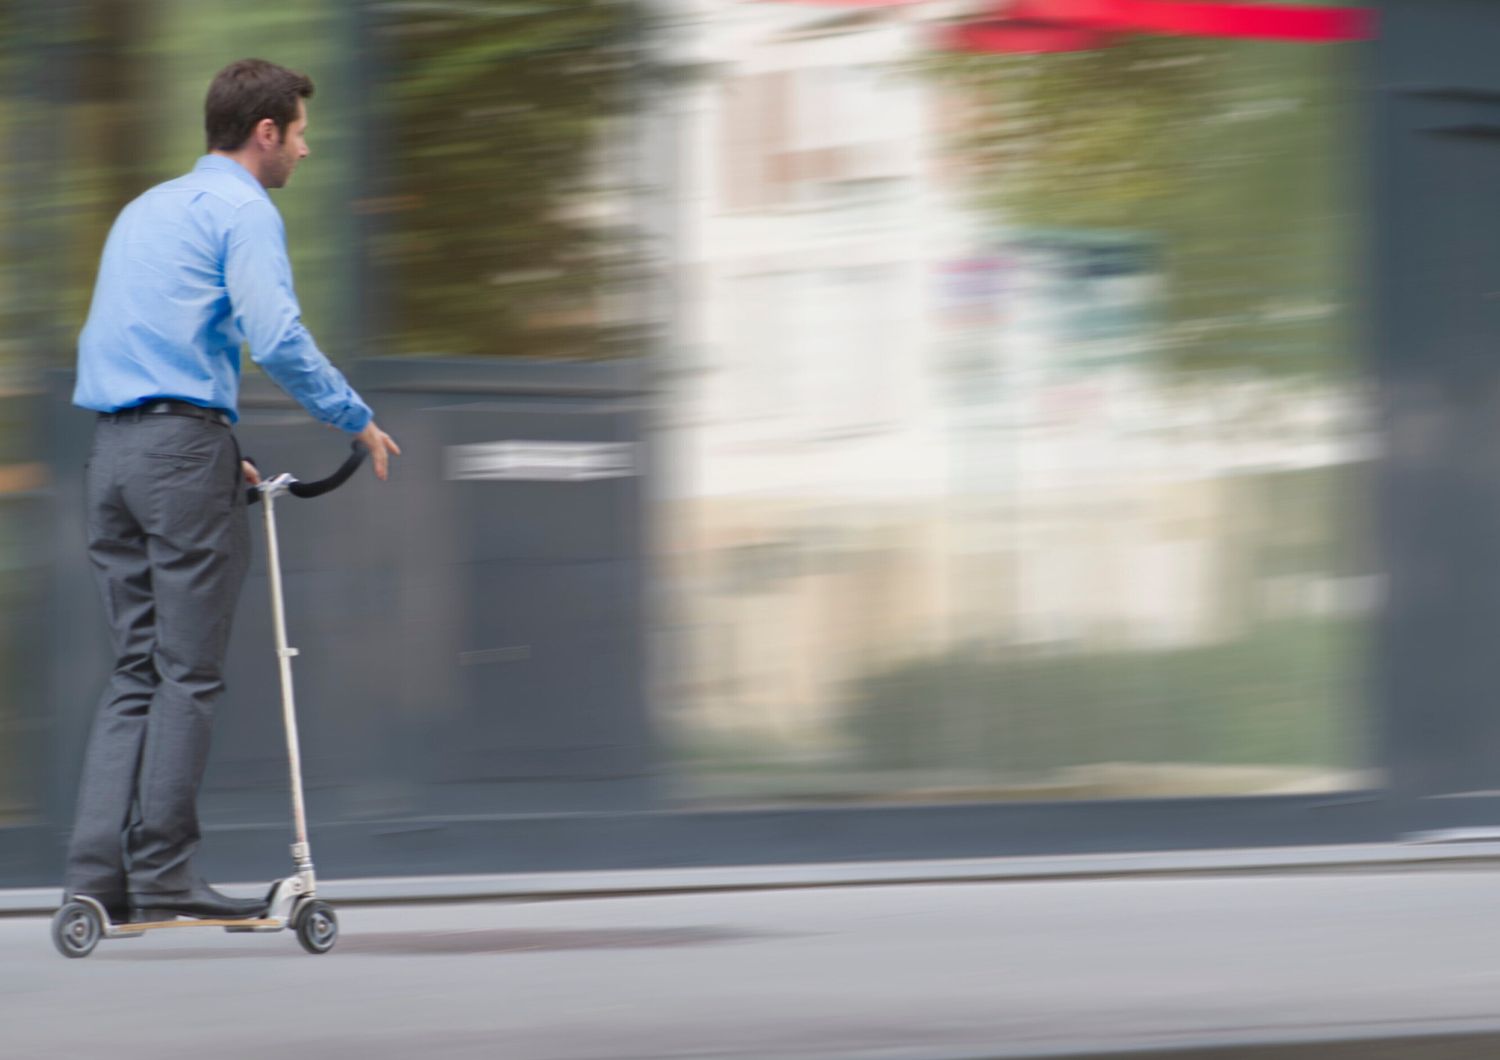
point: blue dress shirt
(191, 269)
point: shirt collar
(220, 164)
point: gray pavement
(898, 972)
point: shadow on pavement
(453, 943)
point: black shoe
(201, 901)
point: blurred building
(906, 432)
(807, 456)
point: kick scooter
(291, 902)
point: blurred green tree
(1235, 157)
(503, 208)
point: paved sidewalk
(1326, 965)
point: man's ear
(265, 133)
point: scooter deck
(156, 925)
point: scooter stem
(301, 852)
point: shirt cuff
(353, 418)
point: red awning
(1285, 22)
(1021, 36)
(1080, 25)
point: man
(191, 269)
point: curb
(1426, 856)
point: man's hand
(252, 476)
(380, 445)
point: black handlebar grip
(357, 454)
(324, 485)
(252, 495)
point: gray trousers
(169, 540)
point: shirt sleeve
(258, 276)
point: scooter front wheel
(76, 929)
(317, 927)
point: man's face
(289, 152)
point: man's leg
(186, 487)
(117, 550)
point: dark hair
(244, 94)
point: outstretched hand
(380, 446)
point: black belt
(169, 408)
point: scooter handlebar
(350, 465)
(357, 454)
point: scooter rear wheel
(317, 927)
(76, 929)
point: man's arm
(258, 276)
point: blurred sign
(540, 461)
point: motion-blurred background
(817, 432)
